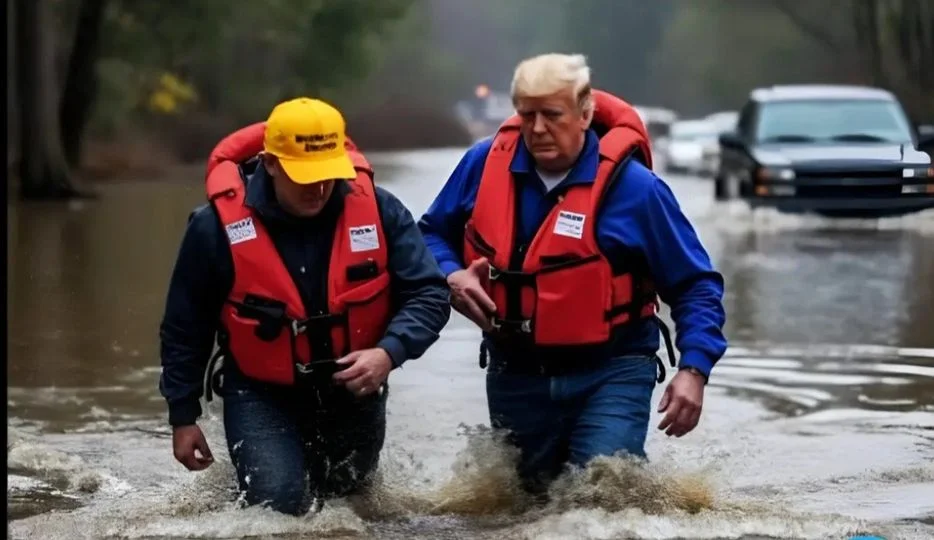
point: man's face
(300, 200)
(553, 128)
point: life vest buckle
(298, 327)
(316, 367)
(329, 319)
(512, 278)
(521, 326)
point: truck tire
(721, 189)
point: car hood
(838, 154)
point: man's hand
(365, 371)
(683, 399)
(468, 295)
(191, 448)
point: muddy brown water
(818, 424)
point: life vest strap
(513, 281)
(214, 380)
(513, 326)
(327, 321)
(317, 368)
(669, 348)
(512, 278)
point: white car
(686, 143)
(722, 122)
(657, 122)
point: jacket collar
(261, 196)
(584, 170)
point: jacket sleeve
(443, 222)
(642, 212)
(199, 284)
(420, 292)
(686, 280)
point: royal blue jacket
(639, 212)
(204, 273)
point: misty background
(117, 88)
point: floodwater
(818, 424)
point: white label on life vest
(364, 238)
(241, 231)
(570, 224)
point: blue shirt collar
(584, 170)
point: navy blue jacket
(639, 213)
(203, 277)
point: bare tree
(80, 89)
(43, 169)
(865, 14)
(807, 25)
(891, 42)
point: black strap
(522, 327)
(214, 376)
(325, 321)
(514, 286)
(513, 281)
(512, 278)
(666, 335)
(317, 330)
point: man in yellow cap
(314, 284)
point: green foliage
(235, 59)
(186, 65)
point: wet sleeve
(644, 213)
(443, 223)
(421, 297)
(199, 283)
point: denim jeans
(572, 418)
(294, 445)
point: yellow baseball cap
(307, 135)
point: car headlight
(773, 174)
(918, 172)
(923, 173)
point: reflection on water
(819, 422)
(830, 287)
(805, 380)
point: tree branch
(806, 27)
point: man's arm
(420, 292)
(642, 212)
(199, 285)
(443, 223)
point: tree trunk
(815, 30)
(12, 96)
(43, 169)
(927, 55)
(81, 83)
(868, 40)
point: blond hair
(551, 73)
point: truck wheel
(721, 189)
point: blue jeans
(292, 445)
(572, 418)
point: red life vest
(560, 289)
(264, 318)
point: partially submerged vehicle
(832, 150)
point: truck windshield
(862, 120)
